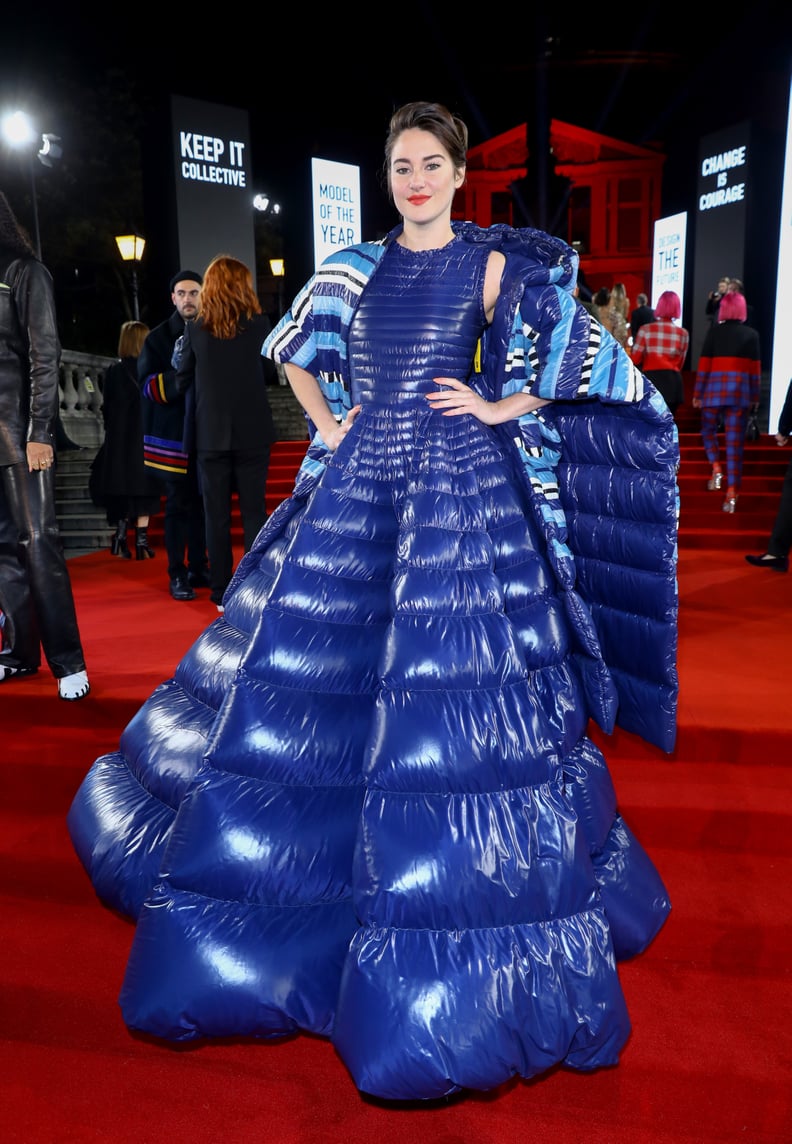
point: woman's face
(422, 177)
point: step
(744, 540)
(81, 514)
(78, 541)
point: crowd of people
(186, 421)
(383, 820)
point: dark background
(325, 84)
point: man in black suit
(777, 555)
(641, 315)
(163, 412)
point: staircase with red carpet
(285, 460)
(702, 521)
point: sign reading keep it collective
(212, 177)
(336, 207)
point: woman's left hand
(458, 398)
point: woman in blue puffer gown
(366, 805)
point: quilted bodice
(419, 318)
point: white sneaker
(74, 686)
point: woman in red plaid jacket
(660, 349)
(728, 385)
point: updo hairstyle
(448, 129)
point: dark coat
(729, 369)
(29, 357)
(118, 473)
(228, 377)
(640, 316)
(163, 406)
(785, 417)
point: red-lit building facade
(614, 197)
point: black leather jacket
(29, 356)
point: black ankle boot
(142, 549)
(118, 545)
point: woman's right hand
(337, 435)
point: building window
(502, 207)
(579, 219)
(631, 211)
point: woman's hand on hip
(457, 398)
(337, 435)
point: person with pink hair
(660, 349)
(728, 386)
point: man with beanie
(165, 451)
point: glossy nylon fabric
(388, 824)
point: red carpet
(710, 1058)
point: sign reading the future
(336, 207)
(668, 258)
(211, 167)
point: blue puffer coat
(366, 805)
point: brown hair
(447, 129)
(131, 338)
(227, 296)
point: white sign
(336, 207)
(782, 336)
(668, 258)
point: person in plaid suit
(660, 349)
(727, 384)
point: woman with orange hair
(223, 372)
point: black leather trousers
(35, 589)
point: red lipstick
(417, 200)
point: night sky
(327, 85)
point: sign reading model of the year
(336, 207)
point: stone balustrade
(82, 382)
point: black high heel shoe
(118, 545)
(143, 550)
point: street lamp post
(34, 198)
(269, 241)
(278, 271)
(18, 131)
(131, 247)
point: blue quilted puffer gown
(371, 810)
